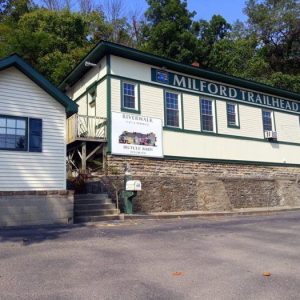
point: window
(13, 133)
(129, 100)
(207, 115)
(92, 98)
(20, 134)
(232, 115)
(268, 120)
(172, 109)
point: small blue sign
(162, 76)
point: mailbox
(133, 185)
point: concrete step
(91, 196)
(94, 205)
(93, 201)
(96, 212)
(87, 219)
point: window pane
(21, 124)
(172, 109)
(2, 122)
(11, 123)
(231, 114)
(129, 95)
(267, 121)
(13, 133)
(207, 115)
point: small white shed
(32, 146)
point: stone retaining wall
(179, 185)
(24, 208)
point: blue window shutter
(35, 135)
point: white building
(32, 146)
(206, 123)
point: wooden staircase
(94, 208)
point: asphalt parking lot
(197, 258)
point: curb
(205, 214)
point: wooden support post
(83, 157)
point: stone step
(96, 212)
(96, 205)
(91, 196)
(87, 219)
(92, 201)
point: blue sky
(231, 10)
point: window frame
(272, 120)
(180, 109)
(237, 115)
(26, 149)
(136, 108)
(214, 113)
(27, 134)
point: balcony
(86, 128)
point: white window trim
(179, 108)
(136, 95)
(213, 114)
(236, 114)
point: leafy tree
(168, 30)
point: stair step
(96, 212)
(91, 196)
(90, 206)
(87, 219)
(92, 201)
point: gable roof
(105, 48)
(15, 60)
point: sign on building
(136, 135)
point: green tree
(168, 30)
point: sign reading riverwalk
(136, 135)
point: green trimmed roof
(105, 48)
(16, 61)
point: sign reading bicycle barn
(216, 89)
(136, 135)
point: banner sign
(136, 135)
(222, 90)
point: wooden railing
(81, 127)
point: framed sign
(136, 135)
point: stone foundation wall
(168, 167)
(36, 208)
(179, 185)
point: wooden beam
(83, 157)
(94, 151)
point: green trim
(199, 94)
(103, 48)
(17, 62)
(237, 115)
(228, 136)
(138, 100)
(216, 116)
(108, 106)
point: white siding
(250, 121)
(20, 171)
(288, 127)
(115, 95)
(191, 109)
(152, 101)
(89, 78)
(101, 100)
(203, 146)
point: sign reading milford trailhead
(136, 135)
